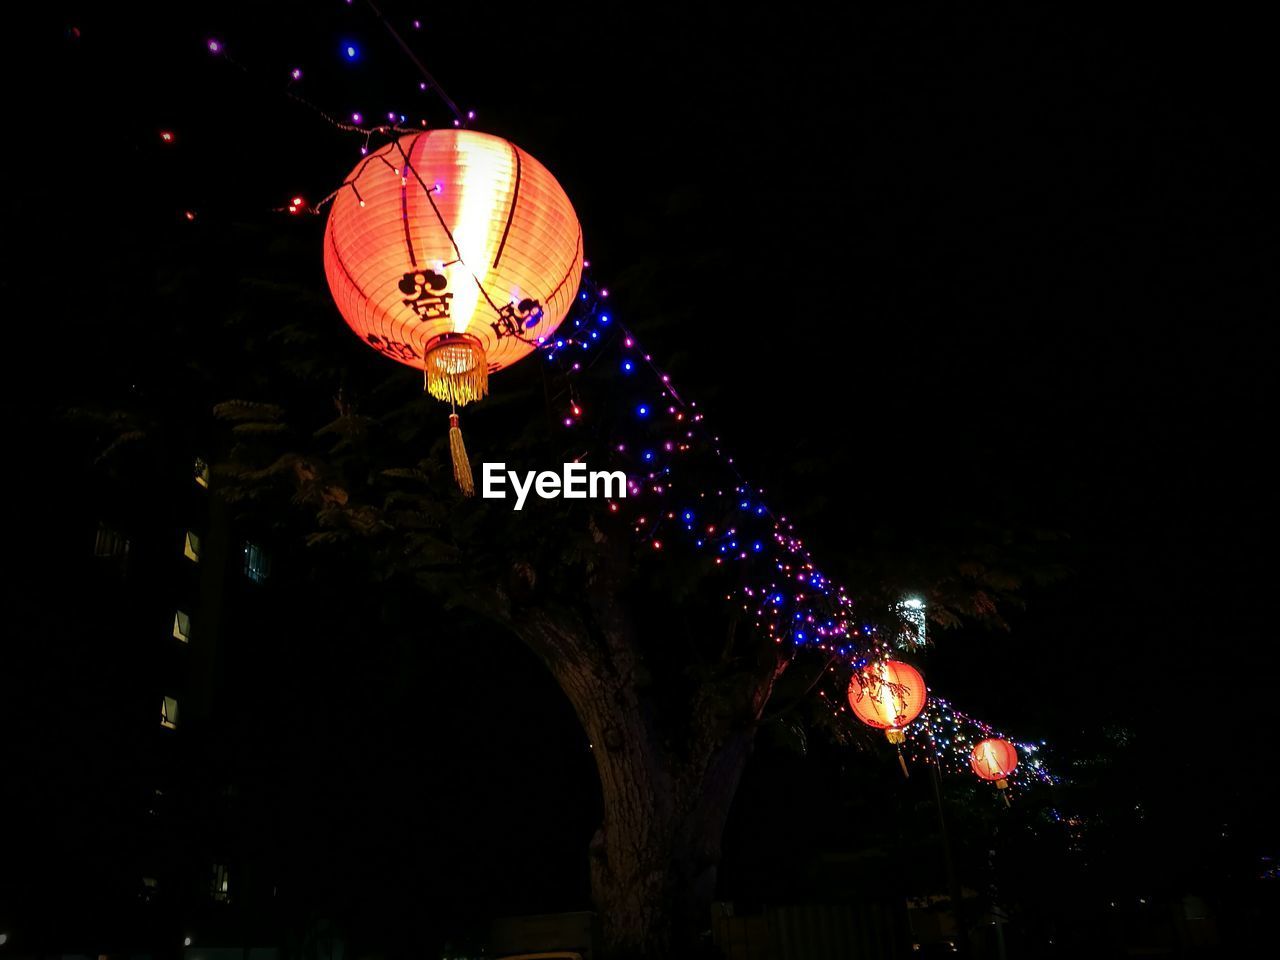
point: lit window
(181, 625)
(110, 543)
(257, 563)
(169, 713)
(221, 884)
(191, 547)
(202, 472)
(912, 633)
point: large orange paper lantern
(994, 759)
(454, 252)
(888, 694)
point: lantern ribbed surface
(888, 694)
(452, 232)
(993, 759)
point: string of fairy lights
(776, 579)
(771, 575)
(945, 735)
(788, 597)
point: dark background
(1012, 264)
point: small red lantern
(888, 694)
(454, 252)
(994, 759)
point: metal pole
(953, 881)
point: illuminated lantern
(994, 759)
(888, 694)
(454, 252)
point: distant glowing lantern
(454, 252)
(994, 759)
(888, 695)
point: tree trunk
(653, 863)
(666, 796)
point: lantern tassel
(902, 762)
(1003, 786)
(461, 465)
(455, 369)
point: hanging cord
(426, 74)
(367, 131)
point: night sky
(1012, 264)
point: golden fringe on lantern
(461, 464)
(456, 370)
